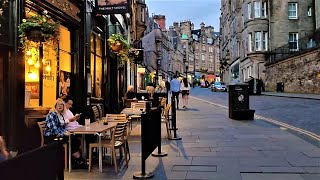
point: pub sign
(112, 6)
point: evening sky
(207, 11)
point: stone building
(252, 30)
(206, 50)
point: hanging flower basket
(35, 34)
(116, 47)
(39, 28)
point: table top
(94, 128)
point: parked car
(218, 86)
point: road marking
(272, 121)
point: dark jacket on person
(130, 95)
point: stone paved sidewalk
(216, 147)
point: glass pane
(92, 70)
(49, 75)
(65, 39)
(98, 47)
(98, 76)
(92, 42)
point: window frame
(264, 10)
(249, 6)
(296, 41)
(257, 9)
(250, 42)
(265, 41)
(257, 41)
(296, 10)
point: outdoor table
(95, 128)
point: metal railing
(304, 44)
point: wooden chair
(100, 111)
(165, 119)
(116, 142)
(122, 118)
(42, 125)
(95, 113)
(139, 105)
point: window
(203, 47)
(257, 9)
(293, 41)
(264, 9)
(257, 41)
(142, 15)
(293, 10)
(250, 42)
(249, 11)
(210, 49)
(309, 11)
(265, 41)
(203, 57)
(96, 65)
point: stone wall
(300, 74)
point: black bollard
(173, 119)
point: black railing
(303, 45)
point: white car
(218, 86)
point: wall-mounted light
(48, 68)
(32, 75)
(37, 65)
(30, 61)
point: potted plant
(39, 28)
(117, 42)
(122, 49)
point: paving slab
(260, 176)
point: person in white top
(185, 90)
(70, 119)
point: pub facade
(33, 74)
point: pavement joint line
(272, 121)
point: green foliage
(126, 52)
(50, 28)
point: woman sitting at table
(55, 129)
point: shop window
(51, 77)
(96, 65)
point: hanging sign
(112, 6)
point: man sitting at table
(130, 94)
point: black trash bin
(239, 102)
(280, 87)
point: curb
(297, 97)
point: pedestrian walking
(175, 89)
(185, 90)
